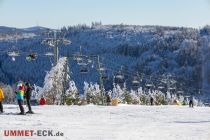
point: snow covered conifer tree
(53, 83)
(134, 97)
(72, 95)
(92, 93)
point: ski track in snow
(124, 122)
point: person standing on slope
(191, 104)
(151, 101)
(42, 101)
(20, 96)
(27, 95)
(1, 99)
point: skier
(1, 99)
(20, 96)
(27, 95)
(191, 102)
(42, 101)
(151, 101)
(108, 99)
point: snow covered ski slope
(124, 122)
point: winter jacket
(1, 95)
(42, 101)
(20, 92)
(28, 91)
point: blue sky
(58, 13)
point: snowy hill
(4, 29)
(36, 29)
(111, 123)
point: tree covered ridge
(148, 50)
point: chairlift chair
(171, 88)
(82, 63)
(49, 54)
(89, 61)
(119, 78)
(149, 84)
(77, 57)
(102, 69)
(104, 76)
(66, 42)
(180, 92)
(13, 54)
(83, 67)
(160, 87)
(48, 42)
(135, 82)
(31, 57)
(83, 70)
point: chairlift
(160, 87)
(149, 84)
(13, 58)
(104, 76)
(66, 42)
(89, 61)
(171, 88)
(51, 44)
(83, 70)
(119, 77)
(31, 57)
(180, 92)
(82, 63)
(48, 42)
(49, 54)
(77, 58)
(102, 69)
(135, 81)
(83, 67)
(13, 54)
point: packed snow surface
(124, 122)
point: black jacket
(28, 91)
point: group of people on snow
(23, 91)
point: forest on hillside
(152, 52)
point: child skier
(27, 95)
(20, 97)
(1, 99)
(42, 101)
